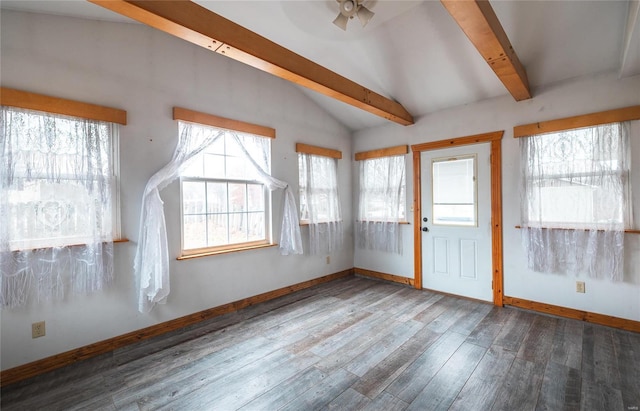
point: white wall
(147, 72)
(579, 96)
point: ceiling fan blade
(364, 14)
(341, 21)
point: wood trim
(616, 322)
(586, 120)
(40, 102)
(192, 116)
(383, 276)
(382, 152)
(481, 25)
(318, 151)
(44, 365)
(225, 250)
(496, 222)
(497, 248)
(417, 220)
(198, 25)
(626, 231)
(459, 141)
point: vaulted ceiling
(417, 54)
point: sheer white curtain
(381, 204)
(290, 240)
(319, 189)
(56, 181)
(151, 263)
(152, 256)
(575, 201)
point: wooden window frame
(385, 152)
(618, 115)
(206, 119)
(585, 120)
(40, 102)
(316, 151)
(56, 105)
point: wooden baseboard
(622, 323)
(34, 368)
(383, 276)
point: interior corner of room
(416, 83)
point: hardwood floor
(356, 344)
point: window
(318, 179)
(224, 205)
(577, 178)
(319, 200)
(382, 199)
(382, 189)
(454, 191)
(576, 195)
(60, 180)
(59, 210)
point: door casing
(495, 138)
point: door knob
(425, 219)
(425, 229)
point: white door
(456, 203)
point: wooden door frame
(495, 138)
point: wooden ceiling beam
(196, 24)
(481, 25)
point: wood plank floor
(356, 344)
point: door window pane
(454, 191)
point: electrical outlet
(580, 287)
(328, 259)
(38, 330)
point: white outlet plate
(580, 287)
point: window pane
(255, 198)
(213, 166)
(256, 227)
(194, 169)
(453, 181)
(193, 197)
(382, 189)
(61, 184)
(576, 178)
(237, 197)
(237, 168)
(195, 231)
(229, 205)
(454, 191)
(216, 197)
(237, 228)
(217, 230)
(454, 214)
(217, 147)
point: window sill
(206, 253)
(404, 222)
(627, 231)
(119, 240)
(306, 222)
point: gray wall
(147, 72)
(579, 96)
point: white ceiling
(415, 53)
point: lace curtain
(575, 200)
(56, 182)
(320, 203)
(152, 255)
(381, 204)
